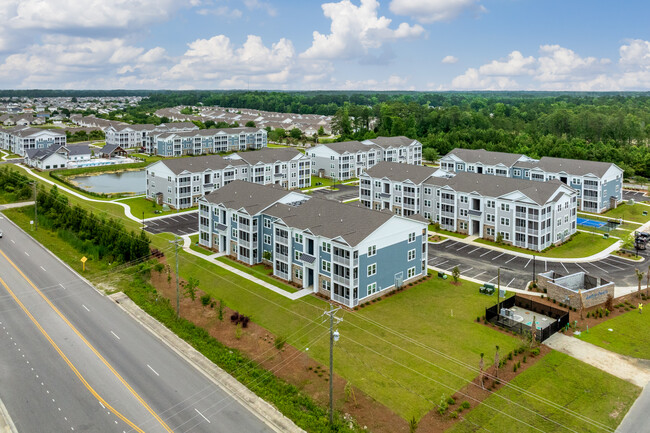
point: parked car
(0, 233)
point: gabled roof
(268, 155)
(41, 154)
(78, 149)
(249, 196)
(474, 156)
(110, 148)
(401, 172)
(574, 167)
(199, 164)
(497, 186)
(347, 146)
(386, 142)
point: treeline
(92, 235)
(82, 135)
(14, 186)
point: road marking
(545, 266)
(474, 250)
(26, 253)
(197, 411)
(567, 271)
(151, 222)
(85, 307)
(495, 277)
(63, 356)
(487, 252)
(464, 246)
(513, 257)
(583, 269)
(13, 241)
(450, 267)
(598, 267)
(508, 285)
(451, 245)
(618, 262)
(480, 273)
(62, 286)
(527, 263)
(91, 347)
(498, 256)
(43, 269)
(153, 370)
(115, 335)
(466, 271)
(442, 263)
(613, 266)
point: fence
(561, 316)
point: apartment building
(22, 138)
(599, 184)
(141, 135)
(204, 141)
(180, 182)
(521, 212)
(347, 252)
(348, 159)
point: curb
(266, 412)
(6, 424)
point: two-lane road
(72, 360)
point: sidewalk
(213, 260)
(13, 205)
(623, 367)
(470, 240)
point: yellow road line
(67, 361)
(90, 346)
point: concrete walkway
(213, 260)
(13, 205)
(600, 255)
(624, 367)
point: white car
(0, 233)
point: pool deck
(541, 320)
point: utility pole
(142, 220)
(334, 337)
(35, 208)
(498, 293)
(534, 274)
(178, 293)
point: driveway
(634, 195)
(179, 224)
(475, 261)
(345, 192)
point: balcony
(448, 201)
(340, 299)
(521, 214)
(409, 193)
(533, 232)
(187, 193)
(345, 261)
(243, 243)
(208, 186)
(384, 195)
(282, 257)
(282, 275)
(184, 183)
(341, 279)
(204, 228)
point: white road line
(197, 411)
(474, 250)
(115, 335)
(85, 307)
(151, 222)
(513, 257)
(487, 252)
(464, 246)
(100, 403)
(498, 256)
(495, 277)
(545, 266)
(480, 273)
(583, 269)
(43, 269)
(155, 372)
(508, 285)
(613, 266)
(527, 263)
(438, 265)
(26, 254)
(451, 245)
(598, 267)
(450, 267)
(618, 262)
(62, 286)
(566, 270)
(466, 271)
(13, 241)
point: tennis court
(591, 223)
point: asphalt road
(183, 223)
(636, 420)
(482, 263)
(145, 382)
(345, 192)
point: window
(234, 234)
(505, 221)
(427, 190)
(490, 204)
(411, 237)
(372, 250)
(490, 218)
(372, 288)
(267, 223)
(372, 269)
(566, 219)
(410, 273)
(463, 199)
(559, 221)
(505, 236)
(411, 255)
(327, 247)
(298, 238)
(325, 266)
(267, 239)
(505, 207)
(490, 231)
(516, 172)
(326, 285)
(296, 255)
(427, 203)
(234, 217)
(298, 273)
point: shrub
(280, 342)
(205, 300)
(442, 407)
(465, 405)
(453, 414)
(534, 351)
(509, 356)
(524, 359)
(514, 368)
(451, 401)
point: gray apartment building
(522, 212)
(204, 141)
(599, 184)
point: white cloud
(515, 64)
(429, 11)
(355, 30)
(557, 63)
(394, 82)
(473, 80)
(450, 60)
(221, 11)
(258, 4)
(635, 53)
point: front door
(476, 228)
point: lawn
(571, 384)
(325, 181)
(581, 245)
(141, 204)
(199, 249)
(629, 212)
(259, 271)
(432, 228)
(621, 230)
(629, 335)
(276, 146)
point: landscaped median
(579, 246)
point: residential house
(346, 252)
(521, 212)
(206, 141)
(21, 138)
(599, 184)
(47, 158)
(287, 167)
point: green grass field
(573, 385)
(199, 249)
(629, 212)
(629, 335)
(582, 245)
(141, 204)
(259, 271)
(446, 232)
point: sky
(426, 45)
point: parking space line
(545, 266)
(513, 257)
(618, 262)
(464, 246)
(598, 267)
(527, 263)
(480, 273)
(498, 256)
(487, 252)
(450, 267)
(508, 285)
(438, 265)
(452, 244)
(583, 269)
(565, 269)
(495, 277)
(151, 222)
(475, 249)
(466, 270)
(612, 265)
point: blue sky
(349, 44)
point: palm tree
(639, 275)
(496, 364)
(480, 366)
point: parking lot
(345, 192)
(179, 224)
(634, 195)
(475, 261)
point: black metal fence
(561, 316)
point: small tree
(190, 288)
(499, 238)
(480, 367)
(321, 131)
(455, 273)
(413, 425)
(220, 311)
(250, 124)
(496, 363)
(639, 276)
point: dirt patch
(287, 363)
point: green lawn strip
(446, 232)
(629, 335)
(581, 245)
(276, 146)
(259, 271)
(199, 249)
(628, 212)
(141, 204)
(570, 383)
(325, 181)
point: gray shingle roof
(474, 156)
(572, 166)
(268, 155)
(496, 186)
(109, 148)
(401, 172)
(79, 149)
(390, 141)
(247, 195)
(197, 164)
(347, 146)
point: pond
(107, 183)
